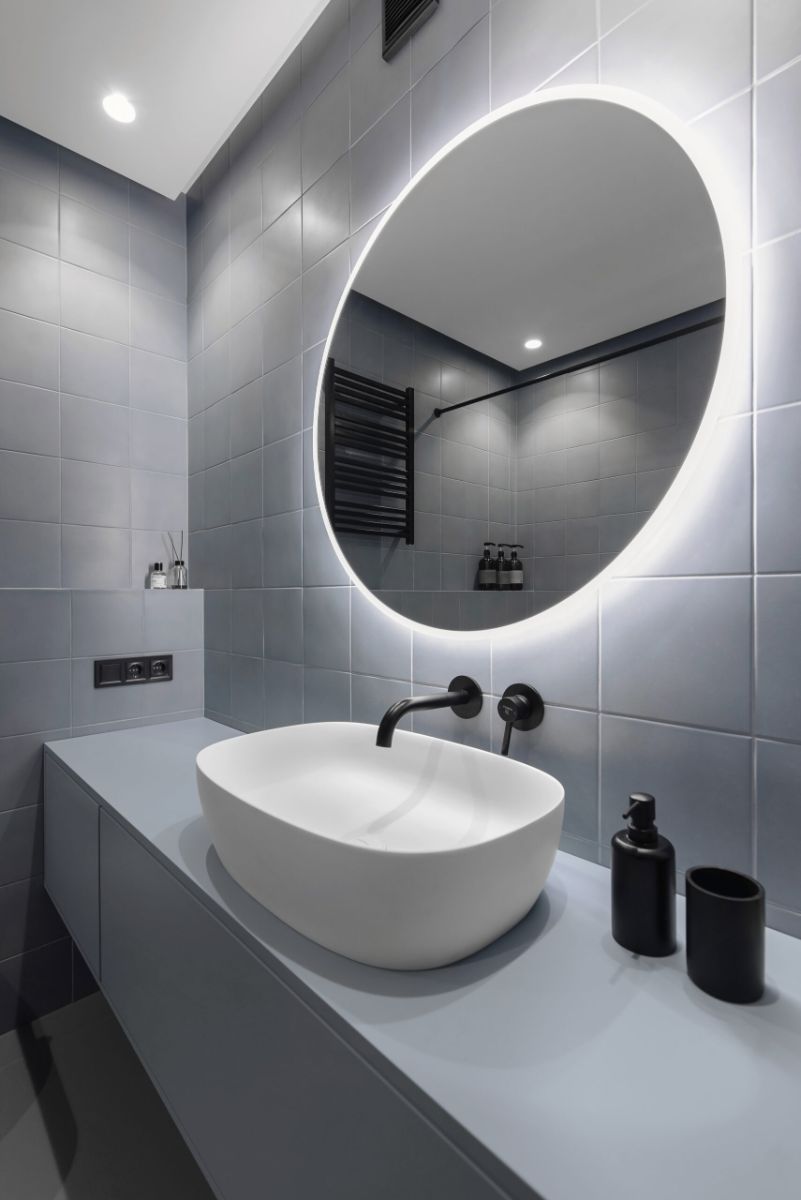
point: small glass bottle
(158, 576)
(179, 578)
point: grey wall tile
(158, 265)
(94, 367)
(778, 821)
(281, 185)
(560, 660)
(380, 164)
(704, 53)
(94, 494)
(283, 624)
(326, 129)
(530, 42)
(323, 285)
(95, 557)
(283, 694)
(34, 625)
(36, 695)
(94, 185)
(158, 501)
(157, 214)
(565, 745)
(247, 690)
(326, 627)
(158, 324)
(21, 774)
(778, 657)
(321, 567)
(281, 327)
(29, 419)
(107, 623)
(94, 240)
(452, 95)
(246, 351)
(701, 781)
(28, 350)
(678, 650)
(183, 693)
(28, 213)
(217, 620)
(778, 34)
(158, 443)
(326, 695)
(28, 154)
(375, 85)
(246, 486)
(282, 480)
(281, 252)
(95, 432)
(245, 409)
(778, 175)
(30, 554)
(27, 918)
(283, 541)
(158, 384)
(247, 622)
(20, 844)
(436, 37)
(371, 697)
(326, 212)
(93, 706)
(778, 489)
(28, 282)
(217, 682)
(93, 303)
(29, 487)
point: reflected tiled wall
(655, 683)
(464, 491)
(92, 369)
(48, 642)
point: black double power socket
(142, 668)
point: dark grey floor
(80, 1120)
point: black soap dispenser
(643, 883)
(501, 569)
(487, 580)
(515, 569)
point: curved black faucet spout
(463, 697)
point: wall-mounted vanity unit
(295, 1072)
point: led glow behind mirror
(580, 208)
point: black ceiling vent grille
(401, 18)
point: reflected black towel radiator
(369, 455)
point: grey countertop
(587, 1072)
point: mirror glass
(563, 269)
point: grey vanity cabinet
(271, 1100)
(71, 858)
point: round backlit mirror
(521, 364)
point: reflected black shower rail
(691, 321)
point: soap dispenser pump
(643, 883)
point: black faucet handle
(521, 707)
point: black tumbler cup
(726, 934)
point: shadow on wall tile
(779, 822)
(217, 682)
(35, 983)
(530, 42)
(701, 781)
(247, 690)
(688, 56)
(565, 745)
(678, 650)
(20, 844)
(452, 95)
(94, 240)
(247, 622)
(28, 918)
(217, 620)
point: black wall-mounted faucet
(521, 707)
(463, 696)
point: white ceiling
(192, 68)
(573, 221)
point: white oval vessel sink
(408, 857)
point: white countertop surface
(588, 1073)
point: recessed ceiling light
(119, 108)
(533, 344)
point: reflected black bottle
(643, 883)
(487, 578)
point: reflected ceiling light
(533, 344)
(119, 108)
